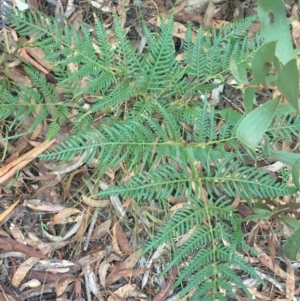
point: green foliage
(213, 242)
(156, 122)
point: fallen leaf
(101, 230)
(89, 259)
(63, 282)
(9, 244)
(8, 210)
(9, 170)
(121, 239)
(290, 280)
(25, 267)
(31, 284)
(116, 274)
(208, 16)
(104, 266)
(23, 53)
(132, 260)
(39, 205)
(267, 262)
(63, 216)
(167, 289)
(17, 234)
(95, 203)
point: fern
(214, 240)
(155, 123)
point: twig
(91, 227)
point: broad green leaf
(255, 124)
(285, 157)
(275, 27)
(249, 98)
(287, 82)
(292, 245)
(230, 116)
(296, 174)
(291, 222)
(262, 61)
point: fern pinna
(155, 121)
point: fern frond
(283, 127)
(216, 236)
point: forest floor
(36, 207)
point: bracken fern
(157, 123)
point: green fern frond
(239, 28)
(216, 236)
(284, 126)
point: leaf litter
(57, 243)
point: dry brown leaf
(121, 239)
(180, 7)
(130, 291)
(271, 247)
(209, 15)
(19, 76)
(64, 215)
(46, 288)
(7, 294)
(290, 280)
(244, 209)
(76, 19)
(22, 270)
(67, 184)
(116, 274)
(259, 295)
(43, 276)
(23, 53)
(186, 16)
(9, 244)
(114, 241)
(83, 226)
(33, 283)
(95, 203)
(115, 297)
(13, 157)
(89, 259)
(17, 234)
(4, 214)
(267, 262)
(101, 230)
(63, 282)
(104, 266)
(71, 232)
(183, 239)
(36, 132)
(180, 31)
(25, 267)
(296, 32)
(122, 14)
(77, 287)
(167, 289)
(176, 207)
(39, 55)
(132, 260)
(38, 244)
(9, 170)
(39, 205)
